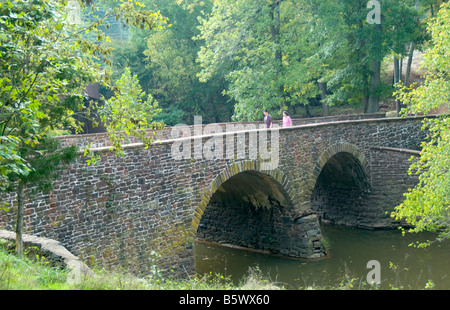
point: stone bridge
(231, 183)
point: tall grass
(30, 272)
(34, 272)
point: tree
(301, 62)
(427, 206)
(165, 64)
(282, 53)
(352, 47)
(260, 47)
(46, 63)
(44, 160)
(128, 104)
(406, 35)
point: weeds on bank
(34, 272)
(29, 273)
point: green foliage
(427, 206)
(129, 113)
(46, 62)
(31, 77)
(10, 161)
(171, 56)
(170, 59)
(274, 53)
(36, 272)
(244, 43)
(44, 159)
(165, 64)
(352, 50)
(171, 116)
(29, 272)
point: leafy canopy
(427, 206)
(46, 62)
(129, 104)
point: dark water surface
(401, 266)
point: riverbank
(228, 268)
(35, 272)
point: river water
(400, 266)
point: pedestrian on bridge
(268, 119)
(287, 122)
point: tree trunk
(376, 56)
(396, 80)
(275, 27)
(307, 112)
(375, 79)
(365, 94)
(360, 54)
(409, 64)
(20, 213)
(396, 70)
(400, 70)
(323, 96)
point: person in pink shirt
(287, 122)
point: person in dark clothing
(268, 119)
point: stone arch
(342, 185)
(250, 207)
(232, 170)
(341, 147)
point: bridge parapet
(97, 140)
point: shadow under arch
(230, 171)
(342, 186)
(252, 208)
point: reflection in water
(402, 266)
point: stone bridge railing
(97, 140)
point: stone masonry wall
(121, 211)
(390, 172)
